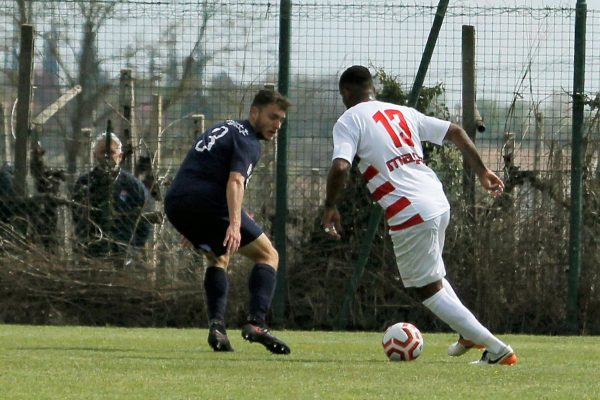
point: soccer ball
(402, 342)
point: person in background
(108, 205)
(7, 193)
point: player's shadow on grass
(65, 348)
(196, 354)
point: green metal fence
(191, 63)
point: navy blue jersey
(230, 146)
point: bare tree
(195, 63)
(22, 14)
(95, 14)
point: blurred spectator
(108, 205)
(7, 193)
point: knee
(220, 261)
(425, 292)
(270, 257)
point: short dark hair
(264, 97)
(356, 75)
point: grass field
(42, 362)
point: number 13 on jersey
(399, 131)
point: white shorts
(418, 251)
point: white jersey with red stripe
(387, 139)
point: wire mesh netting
(158, 73)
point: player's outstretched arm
(489, 180)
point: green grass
(41, 362)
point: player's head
(267, 113)
(114, 155)
(356, 85)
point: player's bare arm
(235, 198)
(336, 180)
(490, 181)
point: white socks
(449, 309)
(449, 289)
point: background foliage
(204, 57)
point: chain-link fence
(158, 72)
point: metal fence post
(279, 229)
(575, 235)
(468, 111)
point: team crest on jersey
(123, 195)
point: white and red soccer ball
(402, 342)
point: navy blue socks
(262, 287)
(216, 287)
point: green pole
(575, 235)
(376, 212)
(281, 291)
(440, 13)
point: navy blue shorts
(205, 227)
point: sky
(325, 40)
(591, 4)
(325, 44)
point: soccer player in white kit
(387, 139)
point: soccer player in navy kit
(204, 203)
